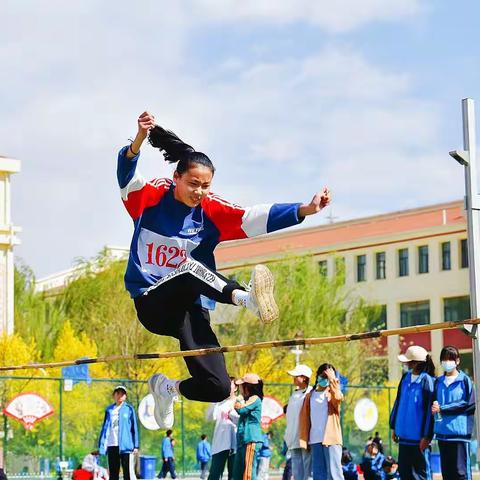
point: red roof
(333, 235)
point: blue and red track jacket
(168, 232)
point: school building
(414, 263)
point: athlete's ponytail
(175, 150)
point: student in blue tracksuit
(171, 273)
(119, 436)
(168, 456)
(453, 408)
(411, 418)
(204, 454)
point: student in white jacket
(224, 443)
(301, 459)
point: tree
(36, 318)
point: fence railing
(73, 430)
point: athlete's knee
(219, 387)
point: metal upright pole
(467, 158)
(182, 414)
(60, 417)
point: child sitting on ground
(390, 468)
(349, 468)
(372, 463)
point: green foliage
(311, 305)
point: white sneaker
(260, 294)
(164, 394)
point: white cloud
(337, 16)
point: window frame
(423, 259)
(363, 277)
(406, 260)
(381, 267)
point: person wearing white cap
(301, 458)
(411, 418)
(119, 438)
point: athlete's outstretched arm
(235, 222)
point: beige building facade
(8, 239)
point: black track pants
(117, 459)
(169, 308)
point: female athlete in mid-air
(171, 272)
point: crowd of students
(426, 407)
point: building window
(456, 309)
(463, 253)
(423, 259)
(414, 313)
(361, 268)
(323, 267)
(381, 265)
(403, 262)
(446, 256)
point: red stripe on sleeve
(148, 196)
(226, 216)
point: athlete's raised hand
(146, 121)
(319, 201)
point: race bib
(160, 255)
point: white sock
(239, 298)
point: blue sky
(285, 96)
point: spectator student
(411, 418)
(453, 408)
(264, 456)
(224, 443)
(300, 457)
(168, 456)
(119, 436)
(204, 454)
(320, 425)
(249, 431)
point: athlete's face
(193, 185)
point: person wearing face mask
(411, 418)
(453, 407)
(320, 428)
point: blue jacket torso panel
(457, 407)
(411, 416)
(203, 451)
(167, 448)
